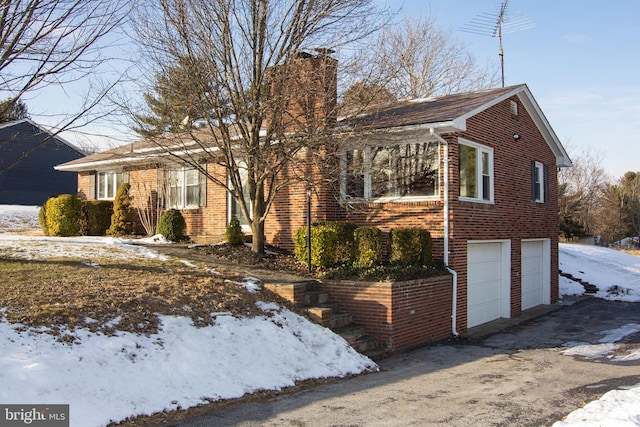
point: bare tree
(259, 109)
(55, 42)
(583, 187)
(415, 59)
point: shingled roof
(443, 114)
(436, 110)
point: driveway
(515, 377)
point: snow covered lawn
(182, 365)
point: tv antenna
(496, 25)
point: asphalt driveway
(515, 377)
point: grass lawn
(114, 294)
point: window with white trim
(391, 171)
(475, 172)
(538, 178)
(186, 188)
(107, 184)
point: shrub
(96, 217)
(324, 241)
(367, 246)
(344, 248)
(42, 219)
(61, 215)
(172, 225)
(410, 247)
(123, 214)
(233, 233)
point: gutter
(454, 298)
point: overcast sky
(580, 61)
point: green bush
(410, 247)
(344, 249)
(172, 225)
(96, 217)
(61, 215)
(42, 219)
(233, 233)
(123, 214)
(367, 246)
(324, 241)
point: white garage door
(534, 274)
(485, 268)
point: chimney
(304, 92)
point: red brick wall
(514, 215)
(401, 315)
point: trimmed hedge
(410, 247)
(60, 216)
(367, 246)
(96, 217)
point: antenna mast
(495, 25)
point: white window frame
(367, 173)
(107, 183)
(182, 175)
(538, 184)
(482, 152)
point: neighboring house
(28, 154)
(478, 170)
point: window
(476, 172)
(234, 206)
(391, 171)
(538, 181)
(107, 184)
(186, 188)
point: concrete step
(321, 315)
(339, 320)
(312, 298)
(351, 333)
(367, 344)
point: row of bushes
(68, 215)
(350, 247)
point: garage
(535, 273)
(487, 282)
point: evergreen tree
(123, 213)
(13, 109)
(177, 101)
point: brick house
(477, 169)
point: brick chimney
(304, 92)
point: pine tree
(123, 213)
(13, 109)
(176, 102)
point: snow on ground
(183, 366)
(615, 273)
(180, 366)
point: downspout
(454, 298)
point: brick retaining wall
(402, 315)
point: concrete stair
(317, 303)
